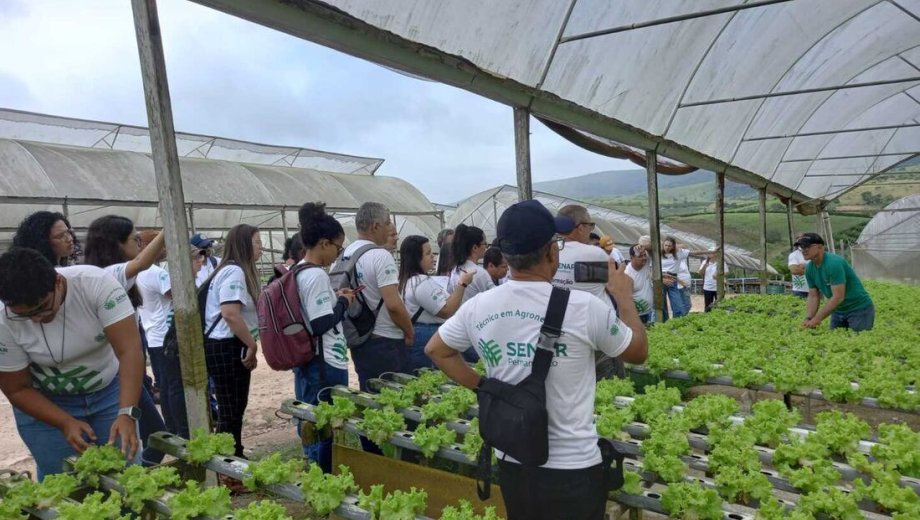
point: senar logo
(491, 352)
(614, 329)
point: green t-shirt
(834, 270)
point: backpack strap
(417, 314)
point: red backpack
(283, 331)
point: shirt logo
(641, 306)
(614, 329)
(100, 337)
(491, 352)
(235, 286)
(340, 351)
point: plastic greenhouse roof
(806, 98)
(95, 181)
(483, 209)
(895, 229)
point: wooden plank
(654, 231)
(172, 211)
(522, 153)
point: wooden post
(829, 237)
(170, 192)
(271, 245)
(522, 152)
(789, 223)
(720, 225)
(65, 209)
(654, 231)
(191, 217)
(762, 207)
(284, 222)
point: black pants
(709, 297)
(224, 358)
(553, 494)
(172, 390)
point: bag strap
(550, 332)
(417, 314)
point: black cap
(527, 226)
(808, 239)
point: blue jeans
(858, 320)
(308, 381)
(149, 423)
(48, 445)
(376, 356)
(685, 296)
(673, 295)
(800, 294)
(415, 357)
(172, 391)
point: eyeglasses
(591, 225)
(338, 248)
(41, 310)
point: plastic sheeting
(483, 210)
(697, 89)
(889, 246)
(94, 181)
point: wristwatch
(131, 411)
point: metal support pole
(720, 225)
(789, 223)
(522, 152)
(762, 207)
(494, 211)
(651, 171)
(191, 217)
(284, 223)
(442, 219)
(65, 208)
(830, 231)
(172, 197)
(271, 245)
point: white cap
(645, 241)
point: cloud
(232, 78)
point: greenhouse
(482, 210)
(889, 246)
(758, 409)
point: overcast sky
(236, 79)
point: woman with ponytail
(324, 309)
(467, 248)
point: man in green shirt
(848, 303)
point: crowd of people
(74, 338)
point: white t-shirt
(317, 299)
(799, 283)
(86, 362)
(671, 263)
(376, 269)
(709, 276)
(643, 295)
(119, 272)
(503, 325)
(424, 292)
(229, 285)
(565, 275)
(482, 280)
(683, 268)
(154, 285)
(207, 267)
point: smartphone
(591, 272)
(359, 289)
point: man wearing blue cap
(503, 325)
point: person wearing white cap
(708, 271)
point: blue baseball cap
(200, 241)
(527, 226)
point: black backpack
(514, 419)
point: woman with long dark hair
(231, 326)
(672, 255)
(467, 249)
(322, 237)
(49, 233)
(427, 303)
(113, 244)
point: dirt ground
(264, 432)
